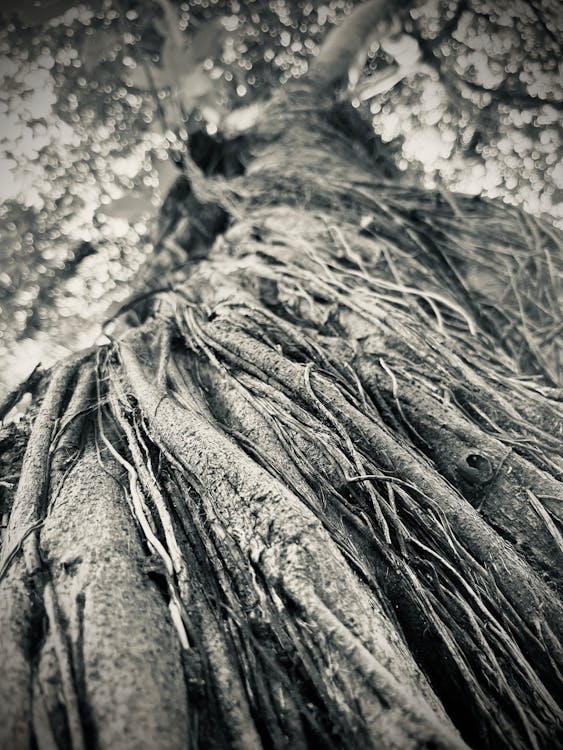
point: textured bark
(310, 500)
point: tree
(307, 492)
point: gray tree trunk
(309, 500)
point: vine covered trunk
(310, 498)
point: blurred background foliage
(95, 97)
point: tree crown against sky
(86, 135)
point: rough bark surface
(310, 501)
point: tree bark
(309, 501)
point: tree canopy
(463, 95)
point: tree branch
(347, 42)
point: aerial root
(277, 411)
(263, 363)
(256, 510)
(491, 476)
(28, 516)
(29, 504)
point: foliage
(87, 128)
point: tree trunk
(309, 500)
